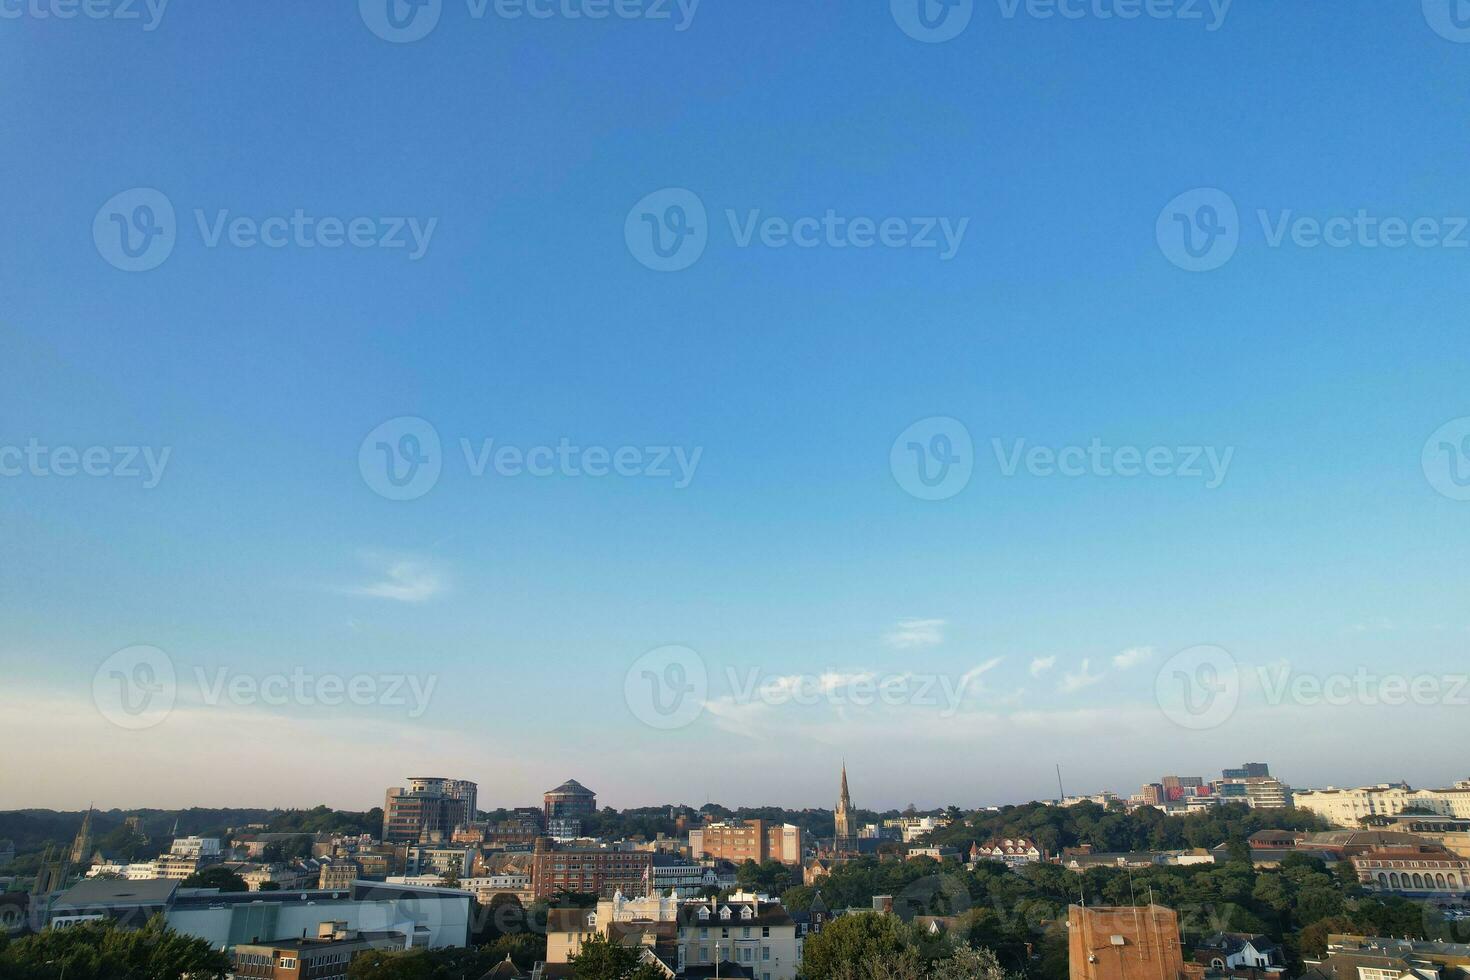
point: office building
(571, 800)
(428, 809)
(326, 956)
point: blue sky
(794, 549)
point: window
(765, 952)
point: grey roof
(95, 892)
(571, 786)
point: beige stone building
(751, 931)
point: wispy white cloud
(1132, 657)
(1041, 665)
(402, 580)
(1082, 678)
(977, 672)
(1378, 624)
(911, 633)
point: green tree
(102, 951)
(862, 938)
(421, 964)
(216, 876)
(969, 963)
(602, 959)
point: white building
(749, 930)
(1013, 851)
(428, 917)
(1348, 807)
(199, 848)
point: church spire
(845, 838)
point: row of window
(743, 954)
(725, 932)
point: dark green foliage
(97, 951)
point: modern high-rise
(428, 809)
(570, 801)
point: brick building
(738, 841)
(600, 871)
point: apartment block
(594, 870)
(748, 840)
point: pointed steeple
(81, 847)
(845, 837)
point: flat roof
(93, 892)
